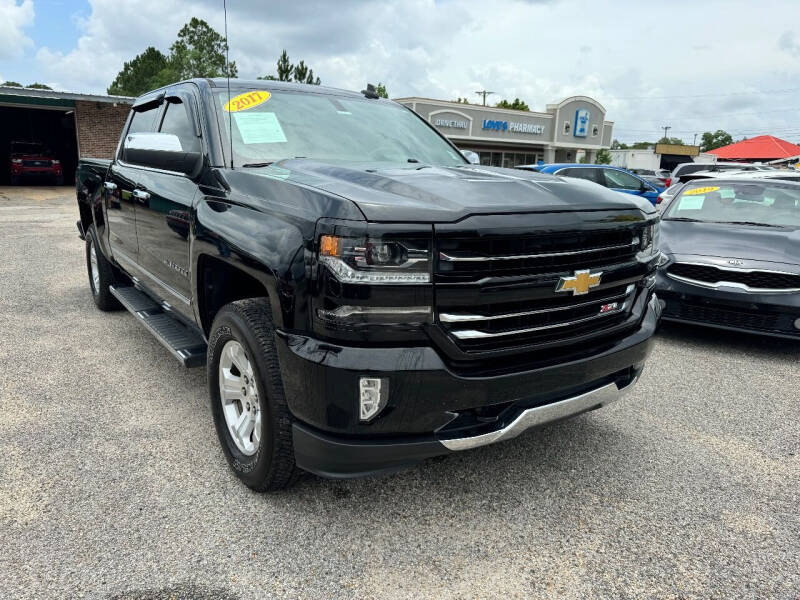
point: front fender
(267, 246)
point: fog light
(373, 394)
(797, 323)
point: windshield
(751, 203)
(27, 148)
(287, 124)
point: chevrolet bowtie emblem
(580, 283)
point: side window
(144, 120)
(621, 180)
(176, 121)
(580, 173)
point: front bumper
(36, 172)
(432, 410)
(772, 314)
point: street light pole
(666, 128)
(484, 93)
(694, 142)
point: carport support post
(549, 155)
(591, 156)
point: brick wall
(99, 127)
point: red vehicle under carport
(30, 160)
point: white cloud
(788, 44)
(14, 18)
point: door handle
(110, 185)
(141, 195)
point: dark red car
(32, 159)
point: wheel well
(220, 283)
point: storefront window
(508, 160)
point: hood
(420, 193)
(749, 242)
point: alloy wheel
(239, 396)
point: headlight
(650, 239)
(16, 161)
(387, 262)
(373, 282)
(55, 162)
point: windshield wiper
(255, 165)
(687, 219)
(748, 223)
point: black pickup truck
(363, 296)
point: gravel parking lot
(112, 483)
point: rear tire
(101, 273)
(255, 433)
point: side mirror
(472, 157)
(159, 151)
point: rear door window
(621, 181)
(581, 173)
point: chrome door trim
(167, 288)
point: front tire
(101, 273)
(252, 419)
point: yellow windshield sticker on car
(701, 190)
(247, 100)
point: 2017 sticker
(247, 100)
(701, 190)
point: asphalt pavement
(113, 485)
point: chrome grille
(498, 293)
(752, 279)
(505, 256)
(496, 327)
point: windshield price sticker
(701, 190)
(259, 128)
(247, 100)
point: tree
(642, 145)
(670, 140)
(617, 145)
(199, 51)
(517, 104)
(381, 90)
(12, 84)
(712, 141)
(140, 74)
(38, 86)
(461, 100)
(300, 72)
(603, 157)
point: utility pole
(694, 141)
(484, 93)
(666, 128)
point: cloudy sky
(694, 66)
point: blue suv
(615, 178)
